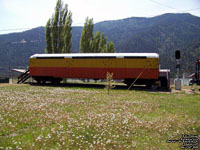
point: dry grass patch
(36, 117)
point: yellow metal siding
(96, 63)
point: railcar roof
(117, 55)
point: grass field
(82, 117)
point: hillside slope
(162, 34)
(190, 56)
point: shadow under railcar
(102, 86)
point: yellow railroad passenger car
(124, 66)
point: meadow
(83, 117)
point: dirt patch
(5, 84)
(186, 90)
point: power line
(163, 4)
(173, 7)
(16, 29)
(190, 9)
(178, 11)
(20, 29)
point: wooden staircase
(23, 77)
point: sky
(19, 15)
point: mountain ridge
(162, 34)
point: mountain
(190, 56)
(161, 34)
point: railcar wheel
(43, 81)
(148, 85)
(53, 81)
(56, 80)
(164, 83)
(38, 81)
(128, 82)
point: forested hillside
(190, 56)
(162, 34)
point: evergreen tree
(59, 30)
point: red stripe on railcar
(95, 73)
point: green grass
(44, 117)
